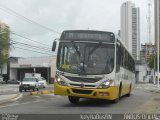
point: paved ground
(149, 87)
(10, 92)
(144, 99)
(51, 104)
(8, 89)
(153, 104)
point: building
(146, 51)
(143, 72)
(130, 28)
(157, 20)
(43, 65)
(4, 51)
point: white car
(30, 83)
(42, 82)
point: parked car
(30, 83)
(42, 82)
(1, 79)
(13, 81)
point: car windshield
(29, 80)
(86, 58)
(43, 78)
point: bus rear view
(86, 66)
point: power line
(32, 47)
(43, 48)
(12, 12)
(32, 50)
(28, 39)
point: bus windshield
(86, 58)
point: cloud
(60, 15)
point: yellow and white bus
(92, 64)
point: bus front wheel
(73, 99)
(119, 95)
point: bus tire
(119, 95)
(73, 100)
(129, 93)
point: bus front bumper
(110, 93)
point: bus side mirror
(54, 46)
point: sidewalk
(9, 93)
(8, 89)
(154, 102)
(9, 98)
(149, 87)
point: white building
(43, 65)
(143, 72)
(130, 28)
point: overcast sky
(62, 15)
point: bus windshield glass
(86, 58)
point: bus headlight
(105, 84)
(61, 81)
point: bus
(92, 64)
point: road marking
(16, 104)
(36, 96)
(47, 95)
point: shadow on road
(93, 103)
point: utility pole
(158, 42)
(149, 22)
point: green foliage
(4, 45)
(153, 61)
(3, 59)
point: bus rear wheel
(129, 93)
(73, 100)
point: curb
(12, 99)
(42, 92)
(34, 93)
(45, 92)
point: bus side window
(122, 56)
(118, 57)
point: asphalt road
(50, 104)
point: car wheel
(73, 100)
(37, 89)
(20, 89)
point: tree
(4, 47)
(153, 61)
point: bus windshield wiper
(75, 47)
(78, 52)
(95, 48)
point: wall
(13, 73)
(53, 68)
(4, 69)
